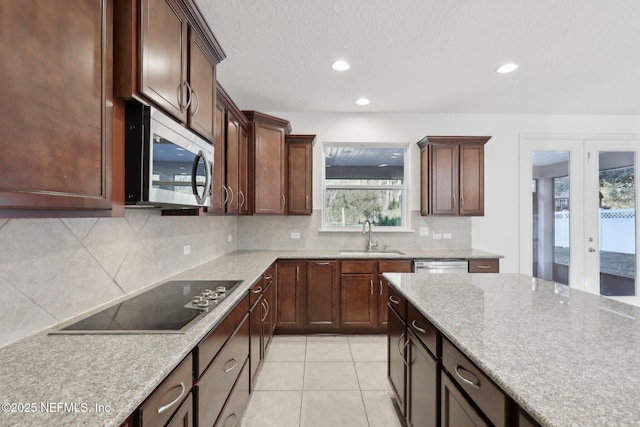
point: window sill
(359, 231)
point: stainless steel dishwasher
(441, 266)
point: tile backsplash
(274, 232)
(54, 269)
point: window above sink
(365, 181)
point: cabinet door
(233, 135)
(268, 319)
(322, 294)
(456, 410)
(290, 295)
(244, 174)
(218, 189)
(300, 167)
(423, 385)
(269, 188)
(56, 113)
(396, 367)
(237, 402)
(255, 340)
(164, 56)
(184, 415)
(202, 78)
(472, 179)
(383, 297)
(359, 301)
(444, 179)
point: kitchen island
(566, 357)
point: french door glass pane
(617, 223)
(551, 220)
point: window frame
(405, 225)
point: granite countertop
(569, 358)
(99, 380)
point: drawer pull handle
(268, 276)
(257, 290)
(418, 328)
(483, 266)
(235, 363)
(394, 300)
(323, 263)
(381, 286)
(170, 404)
(235, 419)
(472, 384)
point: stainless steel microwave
(166, 165)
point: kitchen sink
(374, 252)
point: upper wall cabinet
(266, 138)
(300, 176)
(56, 117)
(166, 54)
(452, 175)
(232, 171)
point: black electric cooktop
(172, 307)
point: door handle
(592, 250)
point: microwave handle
(194, 169)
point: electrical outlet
(230, 238)
(437, 236)
(447, 236)
(186, 249)
(424, 231)
(295, 235)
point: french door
(578, 213)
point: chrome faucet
(371, 245)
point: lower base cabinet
(423, 385)
(396, 368)
(237, 402)
(184, 415)
(456, 409)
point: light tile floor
(323, 380)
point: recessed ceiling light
(363, 101)
(340, 65)
(507, 68)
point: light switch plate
(295, 235)
(186, 249)
(424, 231)
(229, 237)
(447, 236)
(437, 236)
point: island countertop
(567, 357)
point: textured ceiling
(431, 56)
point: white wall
(498, 230)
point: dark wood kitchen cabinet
(452, 175)
(300, 174)
(291, 295)
(57, 118)
(323, 295)
(232, 165)
(388, 266)
(358, 299)
(167, 55)
(266, 136)
(222, 358)
(396, 356)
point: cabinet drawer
(484, 265)
(212, 343)
(164, 401)
(269, 277)
(218, 380)
(233, 410)
(396, 266)
(257, 289)
(359, 267)
(484, 393)
(398, 302)
(423, 329)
